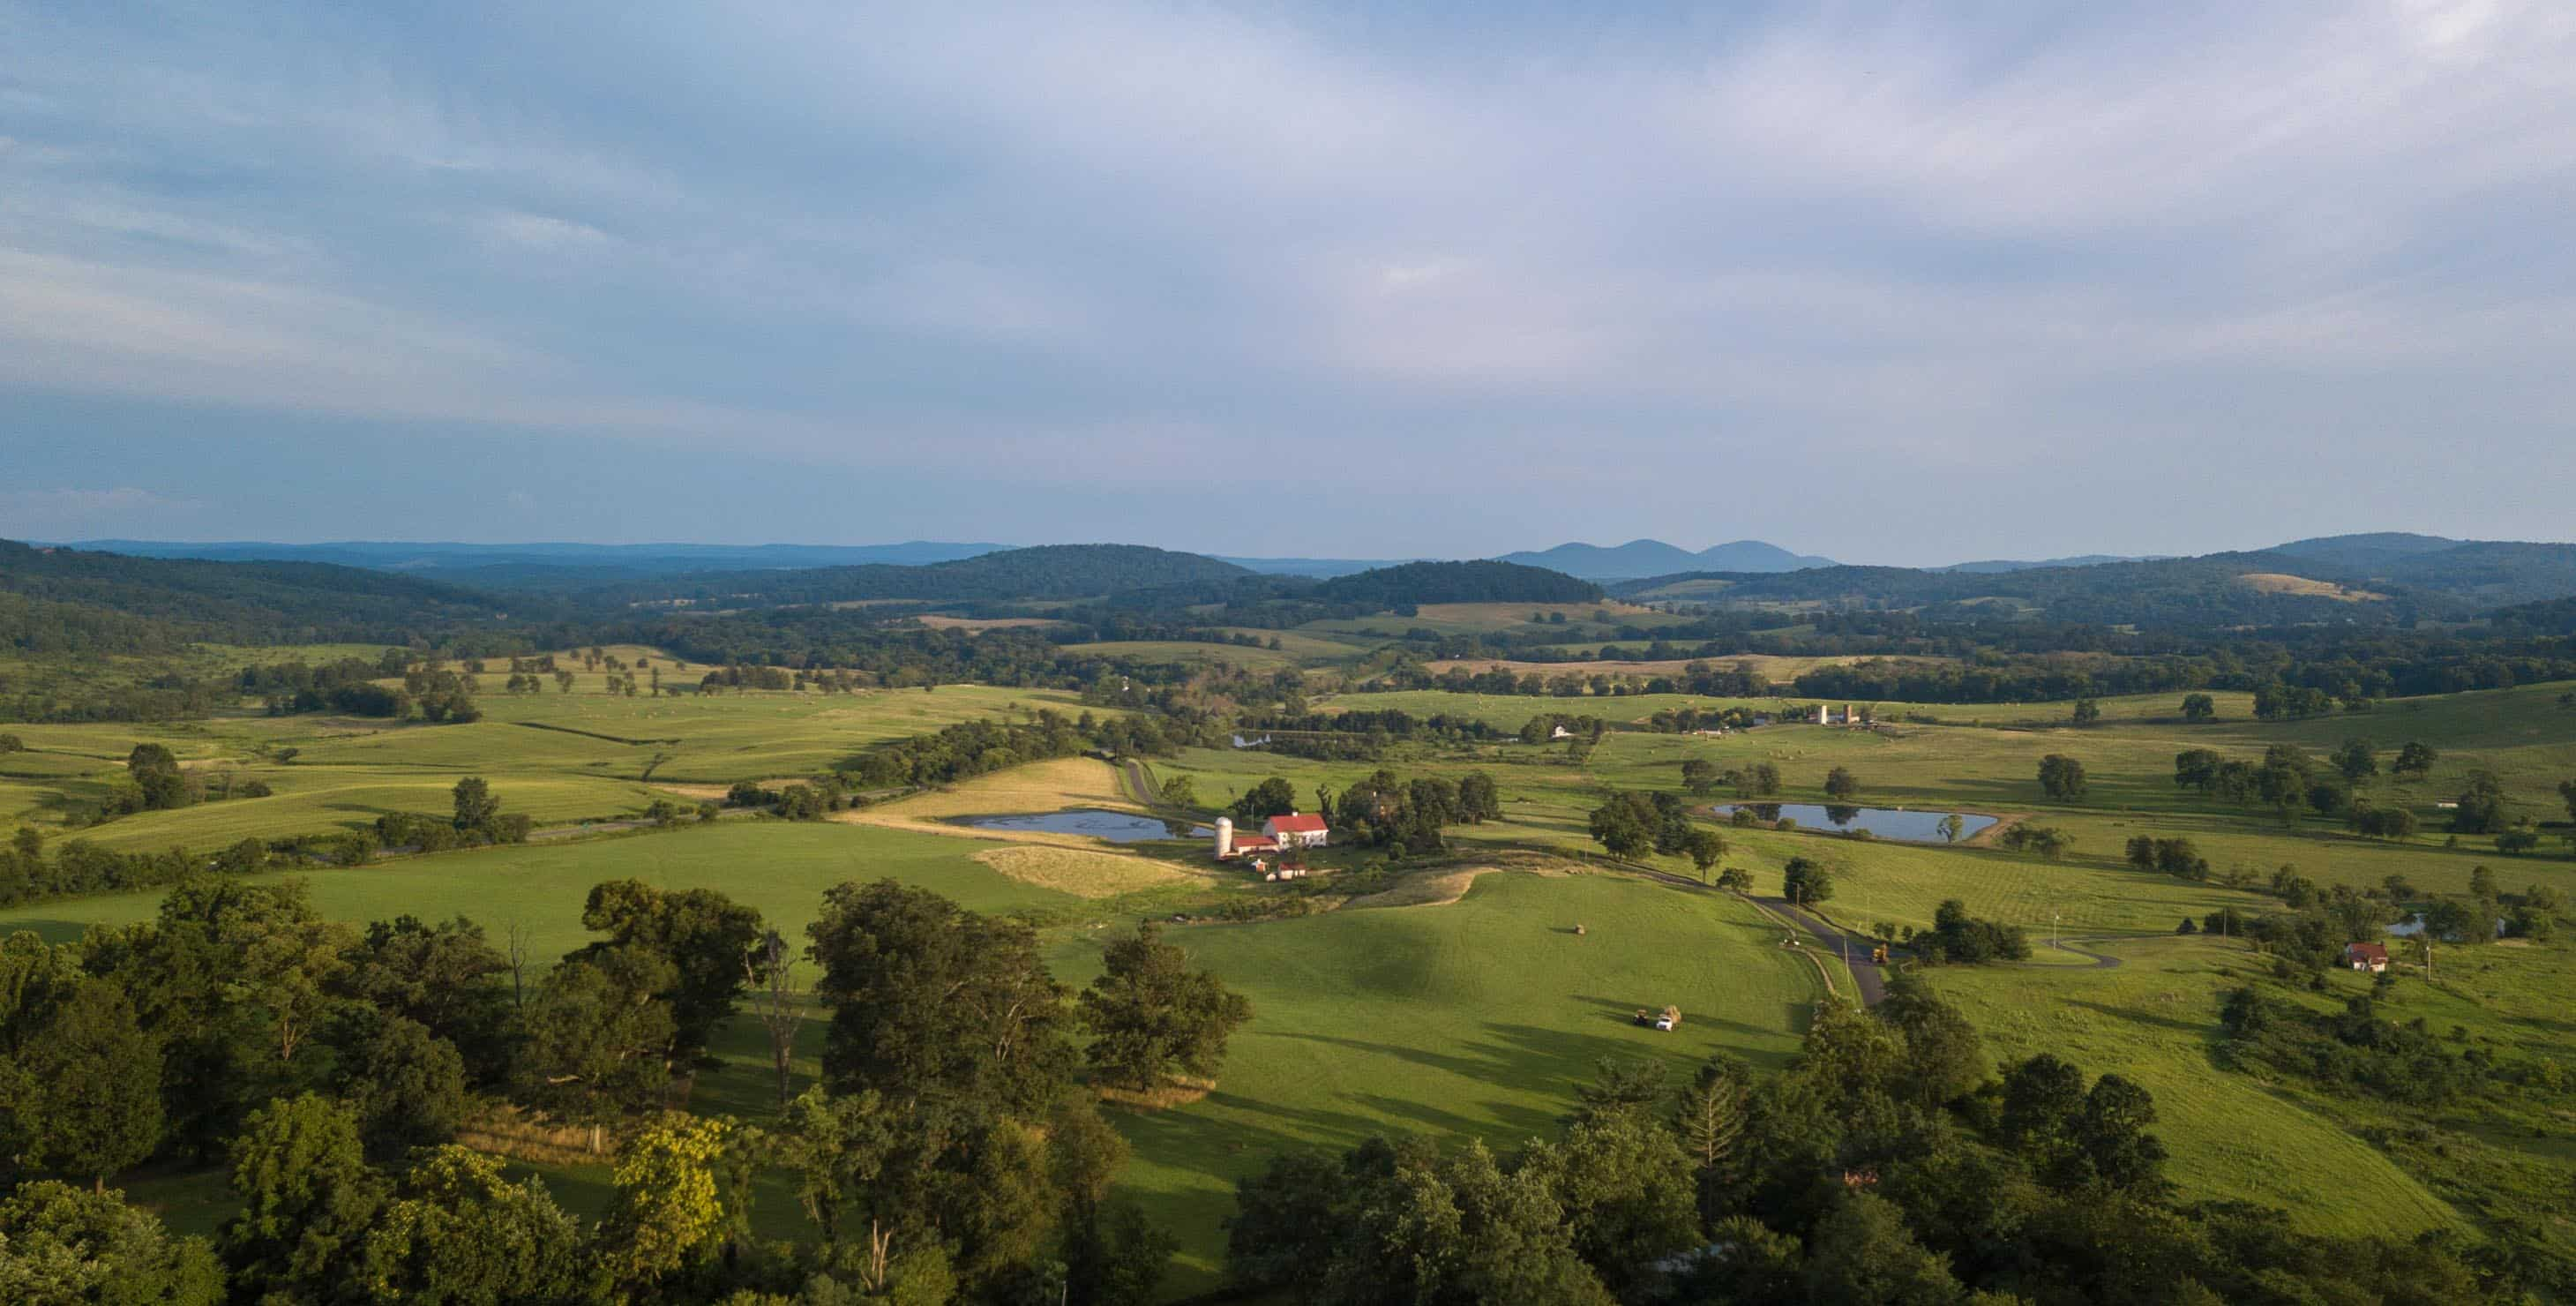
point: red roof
(1294, 823)
(2366, 951)
(1254, 843)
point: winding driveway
(1866, 976)
(2100, 961)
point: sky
(1892, 283)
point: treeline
(159, 604)
(1360, 735)
(78, 866)
(973, 748)
(1405, 817)
(1046, 571)
(2203, 592)
(949, 1152)
(1885, 1166)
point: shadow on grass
(2207, 1030)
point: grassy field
(780, 867)
(1475, 1016)
(560, 757)
(2240, 1136)
(1472, 1019)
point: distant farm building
(1278, 834)
(1297, 830)
(2371, 957)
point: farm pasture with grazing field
(780, 867)
(1451, 997)
(2154, 1019)
(1475, 1018)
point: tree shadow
(2135, 1017)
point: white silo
(1224, 837)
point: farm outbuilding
(2372, 957)
(1297, 830)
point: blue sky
(1892, 283)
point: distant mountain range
(2431, 575)
(557, 565)
(1319, 568)
(1637, 559)
(108, 599)
(510, 564)
(2079, 560)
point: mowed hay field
(780, 867)
(559, 757)
(1475, 1018)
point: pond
(1882, 822)
(1116, 827)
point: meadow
(1474, 1016)
(561, 757)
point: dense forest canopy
(2269, 588)
(226, 602)
(1047, 571)
(1458, 582)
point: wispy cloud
(1120, 241)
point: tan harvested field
(937, 622)
(1040, 787)
(1775, 667)
(2273, 582)
(1083, 872)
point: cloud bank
(2151, 278)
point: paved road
(1139, 787)
(2100, 961)
(1865, 973)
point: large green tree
(60, 1244)
(1151, 1015)
(448, 977)
(1627, 1193)
(597, 1038)
(458, 1231)
(406, 1083)
(1803, 881)
(711, 942)
(928, 998)
(2062, 778)
(307, 1198)
(93, 1079)
(478, 809)
(2357, 759)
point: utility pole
(2428, 955)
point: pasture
(561, 757)
(1473, 1016)
(780, 867)
(1474, 1019)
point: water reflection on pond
(1116, 827)
(1882, 822)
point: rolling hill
(558, 566)
(1048, 571)
(1456, 582)
(1638, 558)
(135, 604)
